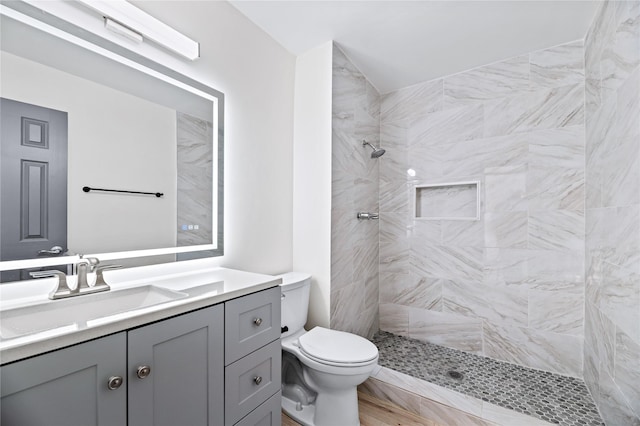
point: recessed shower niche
(450, 201)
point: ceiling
(400, 43)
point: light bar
(138, 21)
(117, 28)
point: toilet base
(304, 416)
(339, 408)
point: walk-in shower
(377, 152)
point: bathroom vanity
(209, 355)
(173, 343)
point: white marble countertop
(222, 284)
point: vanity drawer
(251, 380)
(269, 413)
(251, 322)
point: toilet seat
(337, 348)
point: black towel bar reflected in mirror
(88, 189)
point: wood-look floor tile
(375, 412)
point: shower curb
(438, 404)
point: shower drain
(455, 374)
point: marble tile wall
(354, 243)
(549, 277)
(510, 285)
(195, 168)
(612, 323)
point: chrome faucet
(62, 289)
(82, 268)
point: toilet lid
(334, 346)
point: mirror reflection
(73, 118)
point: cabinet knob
(257, 380)
(143, 371)
(257, 321)
(114, 382)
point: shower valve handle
(368, 216)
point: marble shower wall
(612, 324)
(511, 285)
(354, 243)
(195, 180)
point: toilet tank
(295, 289)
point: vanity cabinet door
(67, 387)
(176, 370)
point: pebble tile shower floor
(551, 397)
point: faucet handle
(91, 262)
(62, 289)
(85, 265)
(99, 274)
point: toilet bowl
(321, 368)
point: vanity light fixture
(126, 19)
(118, 28)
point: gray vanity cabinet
(176, 370)
(171, 372)
(67, 387)
(253, 358)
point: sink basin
(205, 289)
(80, 309)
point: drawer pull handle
(143, 371)
(114, 382)
(257, 321)
(257, 380)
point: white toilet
(321, 368)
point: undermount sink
(76, 311)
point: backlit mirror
(103, 152)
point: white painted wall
(312, 177)
(256, 76)
(115, 140)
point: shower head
(377, 152)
